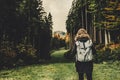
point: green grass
(59, 68)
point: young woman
(84, 54)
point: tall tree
(46, 34)
(95, 16)
(23, 21)
(7, 18)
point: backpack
(84, 51)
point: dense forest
(25, 31)
(30, 50)
(101, 18)
(26, 34)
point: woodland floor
(59, 68)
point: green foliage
(57, 43)
(100, 46)
(27, 49)
(108, 54)
(59, 68)
(25, 24)
(16, 55)
(7, 54)
(106, 71)
(26, 53)
(116, 54)
(94, 16)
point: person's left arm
(73, 51)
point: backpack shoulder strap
(84, 45)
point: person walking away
(83, 52)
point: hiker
(83, 52)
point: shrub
(11, 55)
(7, 54)
(116, 53)
(108, 54)
(26, 53)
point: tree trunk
(82, 15)
(86, 15)
(109, 37)
(82, 18)
(94, 29)
(106, 38)
(100, 36)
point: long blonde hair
(81, 33)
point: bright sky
(59, 10)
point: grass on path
(59, 68)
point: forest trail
(59, 68)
